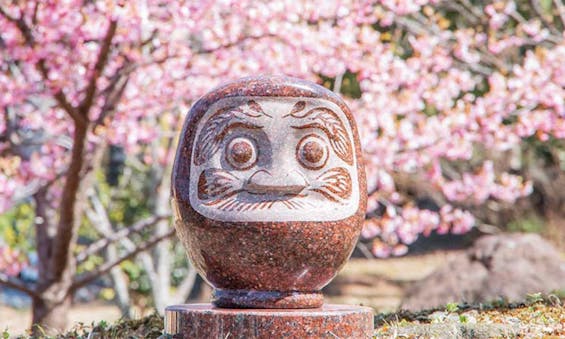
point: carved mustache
(221, 188)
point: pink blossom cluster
(11, 262)
(400, 137)
(395, 8)
(392, 232)
(482, 185)
(433, 92)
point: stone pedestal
(328, 321)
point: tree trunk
(55, 285)
(49, 316)
(47, 310)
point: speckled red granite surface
(330, 321)
(295, 256)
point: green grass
(498, 319)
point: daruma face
(269, 191)
(274, 159)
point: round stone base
(328, 321)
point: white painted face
(261, 159)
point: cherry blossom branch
(468, 10)
(472, 9)
(86, 278)
(6, 136)
(101, 60)
(42, 66)
(60, 97)
(461, 9)
(69, 208)
(34, 15)
(236, 43)
(426, 22)
(20, 23)
(113, 92)
(476, 67)
(17, 284)
(412, 26)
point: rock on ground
(506, 266)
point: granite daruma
(269, 191)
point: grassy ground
(538, 317)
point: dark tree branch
(113, 93)
(60, 97)
(35, 186)
(101, 60)
(86, 278)
(8, 16)
(21, 24)
(34, 16)
(117, 236)
(69, 211)
(121, 73)
(149, 39)
(17, 284)
(6, 136)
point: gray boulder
(506, 266)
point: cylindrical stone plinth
(328, 321)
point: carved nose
(263, 182)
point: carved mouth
(275, 196)
(288, 190)
(226, 192)
(238, 203)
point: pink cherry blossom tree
(445, 87)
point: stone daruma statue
(269, 191)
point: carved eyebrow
(215, 129)
(298, 107)
(256, 109)
(329, 122)
(237, 124)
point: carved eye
(312, 152)
(240, 153)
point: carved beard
(227, 192)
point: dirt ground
(18, 321)
(381, 284)
(376, 283)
